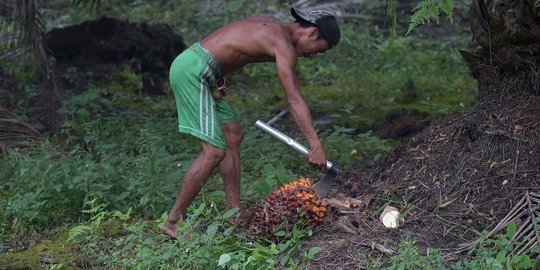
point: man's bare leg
(229, 167)
(194, 179)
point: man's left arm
(286, 68)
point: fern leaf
(430, 9)
(77, 231)
(447, 6)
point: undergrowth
(130, 162)
(487, 254)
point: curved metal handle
(286, 140)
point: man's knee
(213, 154)
(233, 134)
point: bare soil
(455, 179)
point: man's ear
(313, 32)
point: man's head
(323, 20)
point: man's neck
(295, 31)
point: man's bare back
(251, 40)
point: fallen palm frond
(15, 132)
(526, 213)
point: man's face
(311, 45)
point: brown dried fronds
(14, 132)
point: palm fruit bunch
(292, 204)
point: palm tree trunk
(28, 33)
(508, 32)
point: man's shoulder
(260, 18)
(268, 22)
(263, 28)
(253, 39)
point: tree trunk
(509, 33)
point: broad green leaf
(262, 187)
(312, 252)
(274, 249)
(284, 260)
(511, 230)
(501, 257)
(229, 230)
(223, 259)
(230, 212)
(211, 230)
(83, 113)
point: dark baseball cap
(324, 20)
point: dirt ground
(455, 179)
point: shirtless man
(196, 76)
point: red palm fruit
(293, 203)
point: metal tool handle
(286, 140)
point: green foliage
(130, 161)
(344, 145)
(136, 172)
(124, 84)
(215, 243)
(426, 10)
(409, 257)
(19, 101)
(97, 212)
(487, 254)
(91, 4)
(498, 254)
(391, 13)
(20, 67)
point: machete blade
(323, 186)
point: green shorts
(192, 80)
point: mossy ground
(45, 254)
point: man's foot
(242, 218)
(168, 231)
(172, 234)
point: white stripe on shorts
(201, 94)
(213, 119)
